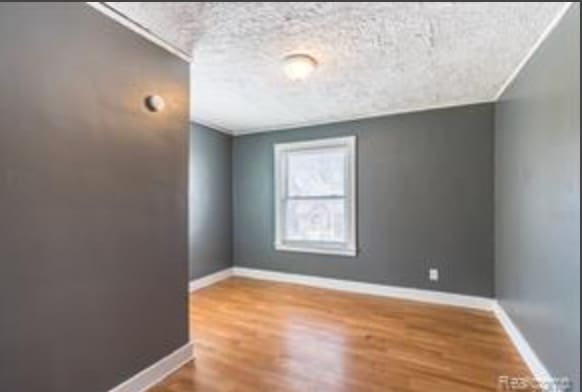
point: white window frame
(350, 247)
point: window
(315, 196)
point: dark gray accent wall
(537, 200)
(425, 198)
(93, 198)
(210, 201)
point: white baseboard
(154, 374)
(208, 280)
(429, 296)
(535, 365)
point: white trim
(215, 127)
(316, 143)
(428, 296)
(366, 116)
(528, 355)
(422, 108)
(137, 28)
(208, 280)
(539, 371)
(534, 49)
(350, 252)
(350, 195)
(155, 373)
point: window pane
(315, 220)
(316, 173)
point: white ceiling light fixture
(376, 56)
(298, 67)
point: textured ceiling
(374, 58)
(177, 23)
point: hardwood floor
(262, 336)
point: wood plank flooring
(252, 335)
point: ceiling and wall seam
(214, 126)
(534, 49)
(374, 59)
(371, 116)
(139, 29)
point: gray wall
(538, 200)
(425, 198)
(93, 196)
(210, 201)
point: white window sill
(319, 251)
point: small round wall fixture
(155, 103)
(299, 66)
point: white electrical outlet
(433, 275)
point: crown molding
(533, 50)
(137, 28)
